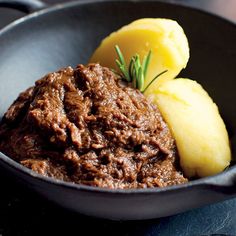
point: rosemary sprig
(121, 64)
(136, 72)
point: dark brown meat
(87, 126)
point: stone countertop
(25, 213)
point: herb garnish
(136, 72)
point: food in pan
(193, 118)
(130, 124)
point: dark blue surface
(215, 219)
(24, 213)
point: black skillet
(67, 34)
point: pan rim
(206, 181)
(60, 6)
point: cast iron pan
(67, 34)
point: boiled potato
(166, 39)
(200, 134)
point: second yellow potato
(199, 131)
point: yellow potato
(200, 134)
(166, 39)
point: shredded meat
(89, 127)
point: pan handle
(26, 6)
(224, 183)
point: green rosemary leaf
(140, 79)
(146, 62)
(131, 68)
(120, 55)
(118, 63)
(122, 62)
(122, 69)
(136, 65)
(138, 61)
(134, 71)
(163, 72)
